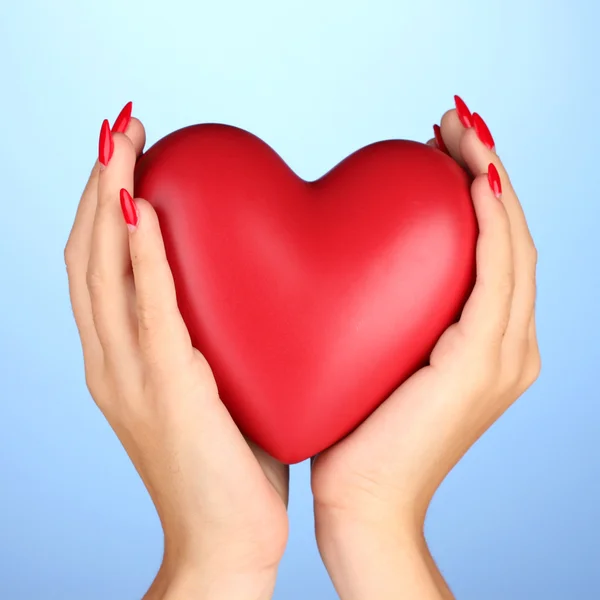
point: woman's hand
(222, 504)
(372, 489)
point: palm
(276, 474)
(363, 457)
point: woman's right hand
(222, 503)
(372, 489)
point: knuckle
(94, 280)
(149, 319)
(147, 316)
(94, 383)
(521, 379)
(531, 254)
(506, 283)
(71, 255)
(533, 369)
(512, 377)
(534, 253)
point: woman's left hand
(372, 489)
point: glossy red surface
(312, 301)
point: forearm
(367, 560)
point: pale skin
(221, 500)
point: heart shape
(311, 301)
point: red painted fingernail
(122, 121)
(106, 144)
(494, 180)
(129, 209)
(482, 131)
(439, 140)
(463, 112)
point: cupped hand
(382, 477)
(221, 502)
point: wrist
(204, 585)
(189, 583)
(376, 556)
(375, 521)
(184, 576)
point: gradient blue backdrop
(519, 517)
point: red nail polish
(122, 121)
(463, 112)
(106, 144)
(129, 209)
(482, 131)
(494, 180)
(439, 140)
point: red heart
(312, 301)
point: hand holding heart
(372, 489)
(221, 499)
(221, 502)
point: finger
(109, 272)
(523, 305)
(78, 247)
(533, 364)
(486, 314)
(451, 131)
(136, 133)
(438, 140)
(453, 125)
(477, 156)
(77, 253)
(163, 335)
(123, 119)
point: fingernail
(122, 121)
(482, 131)
(439, 140)
(463, 112)
(129, 209)
(494, 180)
(106, 144)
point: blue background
(519, 517)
